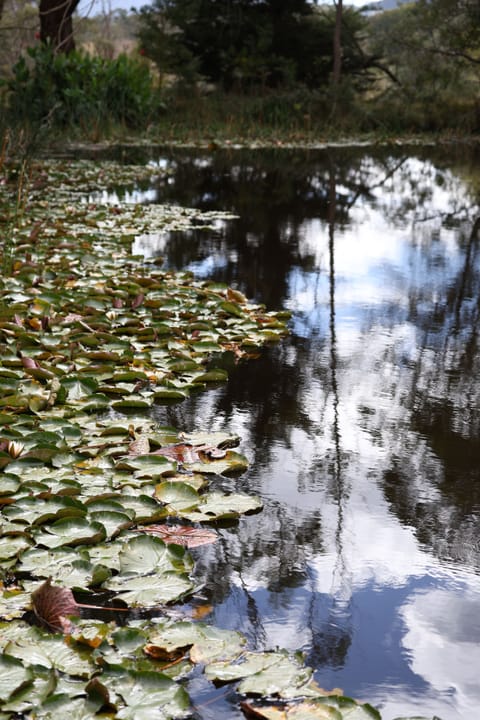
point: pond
(362, 427)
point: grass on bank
(87, 98)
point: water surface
(362, 427)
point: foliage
(433, 52)
(80, 91)
(245, 45)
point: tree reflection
(376, 387)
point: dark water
(362, 427)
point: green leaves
(262, 673)
(13, 675)
(148, 696)
(204, 643)
(35, 648)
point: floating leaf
(151, 466)
(49, 651)
(151, 590)
(302, 711)
(149, 696)
(9, 484)
(231, 463)
(13, 546)
(44, 563)
(177, 495)
(52, 606)
(12, 675)
(133, 401)
(113, 522)
(146, 509)
(140, 446)
(141, 555)
(182, 534)
(216, 506)
(32, 695)
(262, 673)
(180, 452)
(206, 643)
(14, 603)
(71, 531)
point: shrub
(80, 91)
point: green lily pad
(146, 509)
(142, 554)
(232, 463)
(50, 652)
(113, 522)
(13, 675)
(217, 506)
(14, 603)
(13, 546)
(179, 496)
(32, 695)
(150, 466)
(148, 696)
(43, 563)
(262, 673)
(71, 531)
(34, 511)
(207, 644)
(133, 401)
(151, 590)
(9, 484)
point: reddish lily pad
(182, 534)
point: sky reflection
(362, 428)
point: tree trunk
(56, 26)
(337, 44)
(2, 4)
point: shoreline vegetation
(203, 142)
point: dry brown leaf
(160, 653)
(186, 454)
(139, 446)
(201, 611)
(181, 534)
(52, 605)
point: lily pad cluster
(96, 499)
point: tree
(56, 27)
(432, 50)
(247, 44)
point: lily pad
(72, 532)
(148, 696)
(233, 463)
(13, 675)
(141, 555)
(150, 466)
(262, 673)
(177, 495)
(217, 506)
(50, 652)
(182, 534)
(205, 643)
(151, 590)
